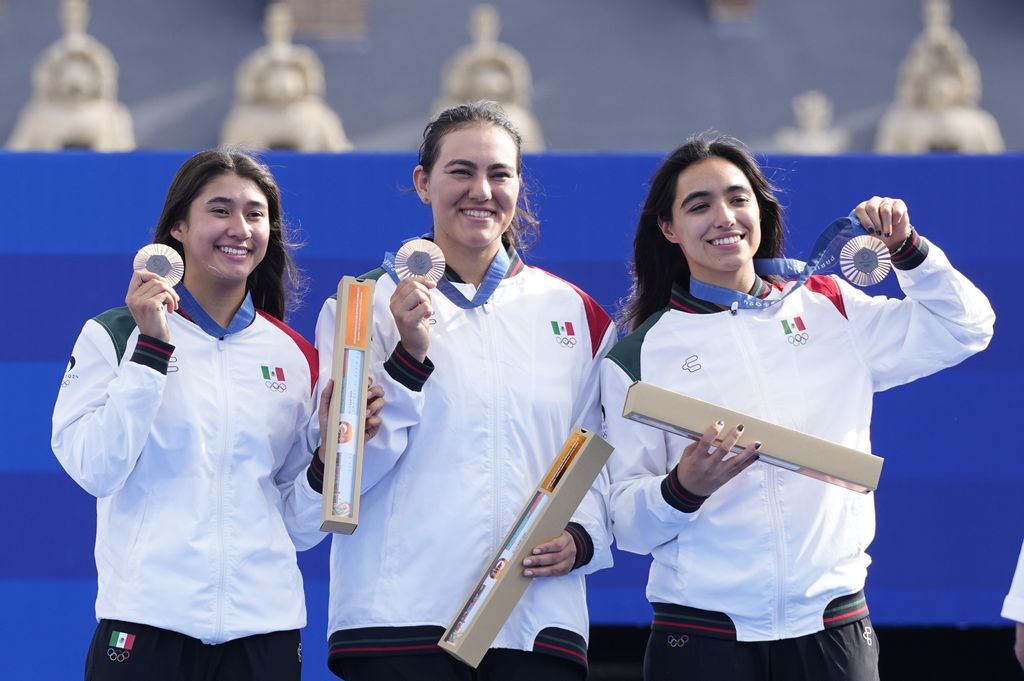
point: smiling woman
(463, 446)
(758, 571)
(187, 418)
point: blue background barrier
(950, 503)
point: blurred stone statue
(279, 96)
(74, 101)
(814, 133)
(936, 107)
(488, 69)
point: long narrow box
(346, 420)
(544, 516)
(781, 446)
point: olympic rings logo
(799, 338)
(867, 635)
(566, 341)
(274, 385)
(678, 641)
(118, 655)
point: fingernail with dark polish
(739, 428)
(757, 445)
(719, 423)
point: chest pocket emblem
(273, 378)
(565, 334)
(796, 331)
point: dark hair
(276, 281)
(657, 262)
(524, 228)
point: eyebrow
(470, 164)
(703, 194)
(223, 200)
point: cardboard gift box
(346, 421)
(545, 515)
(780, 446)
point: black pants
(124, 651)
(499, 664)
(847, 653)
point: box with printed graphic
(546, 513)
(343, 465)
(780, 446)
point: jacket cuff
(677, 496)
(315, 473)
(911, 252)
(153, 352)
(408, 370)
(584, 544)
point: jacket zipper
(493, 416)
(222, 455)
(771, 473)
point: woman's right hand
(148, 296)
(412, 308)
(706, 465)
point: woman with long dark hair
(758, 572)
(185, 413)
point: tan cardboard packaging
(343, 464)
(544, 516)
(783, 447)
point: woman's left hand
(885, 218)
(552, 558)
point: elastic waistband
(712, 624)
(422, 640)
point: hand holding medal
(157, 268)
(419, 265)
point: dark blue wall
(950, 502)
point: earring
(425, 199)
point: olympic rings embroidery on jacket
(566, 341)
(798, 338)
(116, 655)
(278, 386)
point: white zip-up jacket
(465, 440)
(767, 553)
(198, 460)
(1013, 604)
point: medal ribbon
(824, 254)
(496, 271)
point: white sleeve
(104, 413)
(1013, 606)
(592, 513)
(943, 320)
(301, 502)
(642, 518)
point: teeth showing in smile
(477, 213)
(725, 241)
(233, 251)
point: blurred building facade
(606, 75)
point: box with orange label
(343, 467)
(546, 513)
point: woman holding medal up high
(486, 373)
(186, 416)
(758, 572)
